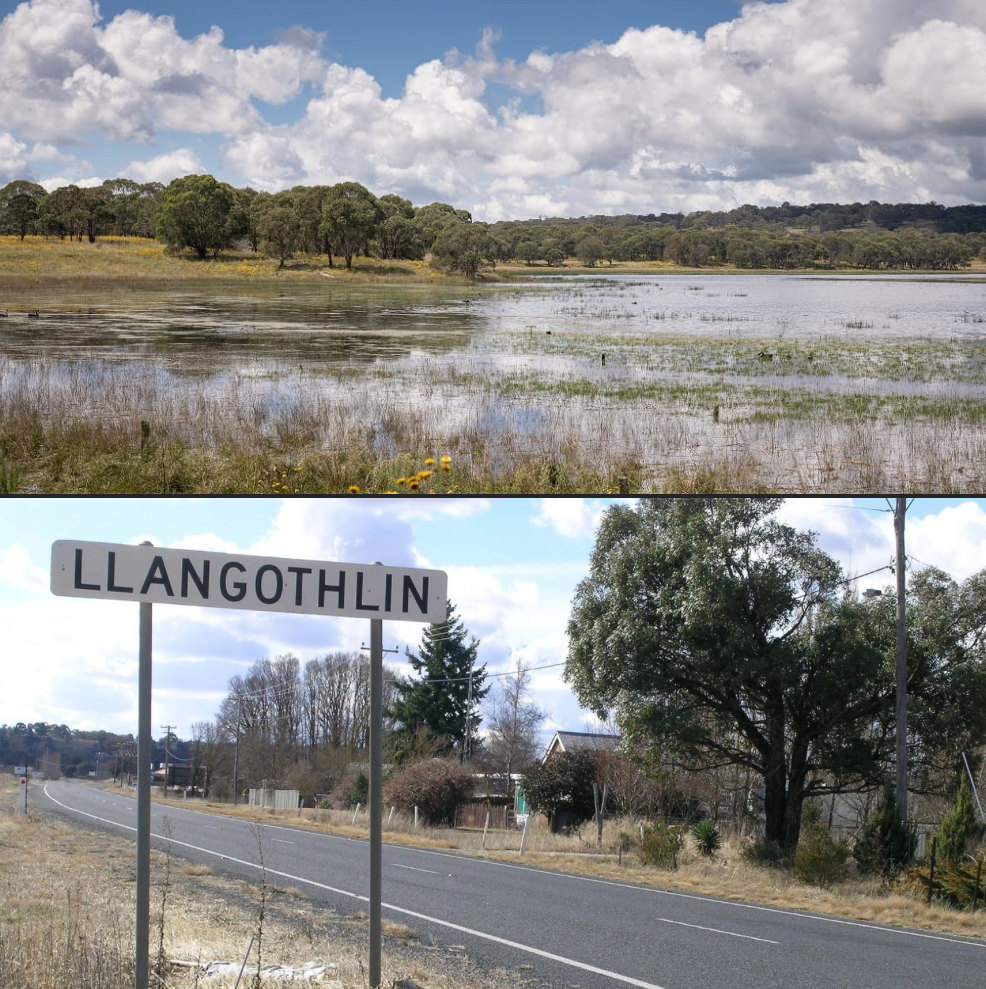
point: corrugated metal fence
(275, 799)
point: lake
(794, 382)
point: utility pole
(900, 511)
(467, 748)
(167, 738)
(236, 747)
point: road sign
(146, 575)
(150, 575)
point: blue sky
(509, 110)
(513, 566)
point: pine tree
(438, 704)
(885, 846)
(958, 826)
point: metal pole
(975, 792)
(141, 939)
(236, 749)
(899, 513)
(376, 793)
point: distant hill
(59, 750)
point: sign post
(147, 575)
(22, 796)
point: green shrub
(820, 860)
(707, 837)
(958, 828)
(561, 789)
(953, 885)
(765, 852)
(661, 844)
(886, 845)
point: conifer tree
(958, 826)
(438, 704)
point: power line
(526, 669)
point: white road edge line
(356, 896)
(413, 868)
(282, 841)
(716, 930)
(640, 889)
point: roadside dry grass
(67, 921)
(726, 875)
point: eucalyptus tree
(711, 629)
(193, 212)
(350, 217)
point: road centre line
(414, 868)
(282, 841)
(715, 930)
(356, 896)
(640, 889)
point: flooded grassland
(679, 382)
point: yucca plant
(707, 837)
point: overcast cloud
(803, 101)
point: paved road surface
(574, 931)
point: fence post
(415, 817)
(931, 871)
(975, 891)
(485, 826)
(523, 837)
(355, 812)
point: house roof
(576, 741)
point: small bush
(820, 860)
(764, 852)
(953, 886)
(661, 845)
(885, 846)
(437, 787)
(707, 837)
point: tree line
(307, 725)
(346, 220)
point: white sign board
(150, 575)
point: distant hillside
(60, 750)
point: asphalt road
(573, 931)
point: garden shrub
(765, 852)
(437, 787)
(561, 789)
(661, 845)
(886, 845)
(953, 885)
(820, 859)
(707, 837)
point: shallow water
(559, 357)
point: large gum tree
(712, 630)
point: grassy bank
(728, 874)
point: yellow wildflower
(429, 461)
(354, 489)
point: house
(579, 741)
